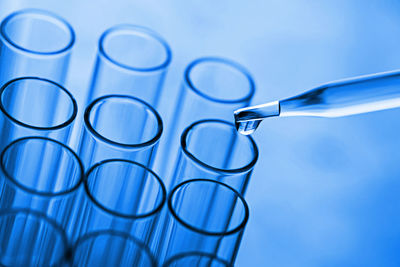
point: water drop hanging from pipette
(335, 99)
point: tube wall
(213, 149)
(124, 196)
(131, 60)
(35, 43)
(32, 106)
(212, 89)
(28, 238)
(40, 174)
(120, 127)
(204, 216)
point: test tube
(40, 174)
(204, 216)
(35, 42)
(31, 106)
(119, 126)
(131, 60)
(122, 195)
(28, 238)
(111, 248)
(213, 149)
(196, 259)
(212, 89)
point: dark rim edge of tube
(196, 253)
(41, 193)
(135, 29)
(245, 99)
(123, 215)
(123, 235)
(40, 12)
(60, 126)
(96, 134)
(40, 216)
(243, 169)
(235, 230)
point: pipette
(334, 99)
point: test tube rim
(190, 155)
(50, 16)
(229, 63)
(40, 216)
(106, 140)
(14, 181)
(238, 228)
(196, 253)
(123, 215)
(136, 29)
(140, 244)
(63, 89)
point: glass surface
(35, 43)
(204, 216)
(28, 238)
(33, 106)
(213, 149)
(111, 248)
(40, 174)
(118, 126)
(121, 195)
(212, 88)
(131, 60)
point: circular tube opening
(42, 166)
(37, 31)
(122, 250)
(236, 152)
(197, 259)
(220, 80)
(135, 48)
(123, 121)
(28, 238)
(125, 188)
(225, 209)
(37, 103)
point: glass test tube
(124, 196)
(35, 43)
(40, 174)
(118, 126)
(28, 238)
(213, 149)
(111, 248)
(212, 89)
(196, 259)
(131, 60)
(204, 216)
(31, 106)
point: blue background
(325, 191)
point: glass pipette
(334, 99)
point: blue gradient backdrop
(325, 191)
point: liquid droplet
(247, 127)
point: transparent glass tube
(117, 126)
(124, 196)
(131, 60)
(212, 89)
(111, 248)
(204, 216)
(40, 174)
(213, 149)
(28, 238)
(196, 259)
(32, 106)
(35, 43)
